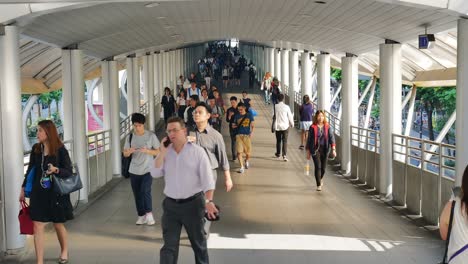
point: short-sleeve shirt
(244, 128)
(141, 162)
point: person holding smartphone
(143, 147)
(186, 164)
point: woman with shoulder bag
(458, 243)
(50, 159)
(320, 141)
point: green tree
(56, 96)
(436, 99)
(336, 74)
(46, 99)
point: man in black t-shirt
(230, 114)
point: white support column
(145, 72)
(150, 98)
(157, 85)
(271, 61)
(278, 65)
(409, 120)
(285, 67)
(306, 78)
(130, 86)
(323, 81)
(11, 143)
(114, 111)
(350, 112)
(462, 97)
(294, 75)
(72, 78)
(106, 94)
(390, 111)
(136, 85)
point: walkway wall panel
(354, 162)
(413, 200)
(429, 201)
(370, 169)
(362, 161)
(399, 172)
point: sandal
(62, 261)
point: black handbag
(68, 184)
(126, 161)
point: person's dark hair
(211, 97)
(281, 97)
(182, 91)
(233, 98)
(195, 97)
(244, 92)
(176, 119)
(206, 106)
(138, 118)
(241, 104)
(167, 89)
(464, 187)
(305, 99)
(52, 136)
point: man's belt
(191, 198)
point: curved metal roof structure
(118, 28)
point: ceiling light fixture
(320, 2)
(152, 4)
(161, 17)
(175, 36)
(169, 27)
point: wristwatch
(207, 201)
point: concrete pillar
(114, 99)
(323, 82)
(72, 80)
(285, 67)
(306, 73)
(157, 85)
(390, 111)
(350, 108)
(136, 85)
(278, 65)
(149, 89)
(130, 85)
(293, 75)
(462, 97)
(106, 94)
(11, 153)
(271, 61)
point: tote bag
(26, 224)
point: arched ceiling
(118, 28)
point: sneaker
(277, 155)
(247, 164)
(141, 220)
(150, 219)
(284, 158)
(241, 170)
(319, 188)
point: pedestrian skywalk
(273, 215)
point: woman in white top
(266, 86)
(225, 77)
(181, 103)
(204, 96)
(458, 244)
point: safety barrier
(99, 160)
(423, 170)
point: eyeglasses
(169, 131)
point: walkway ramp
(273, 215)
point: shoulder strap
(130, 140)
(448, 232)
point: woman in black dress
(50, 159)
(169, 104)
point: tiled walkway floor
(273, 215)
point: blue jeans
(267, 96)
(141, 187)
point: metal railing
(334, 122)
(99, 164)
(125, 126)
(298, 97)
(144, 108)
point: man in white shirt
(283, 121)
(189, 187)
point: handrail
(98, 142)
(144, 108)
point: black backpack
(126, 161)
(251, 71)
